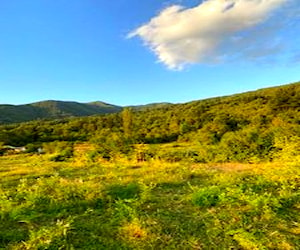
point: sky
(131, 52)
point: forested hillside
(254, 126)
(53, 110)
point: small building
(14, 149)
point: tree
(127, 122)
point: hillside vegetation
(221, 173)
(251, 127)
(53, 110)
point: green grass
(81, 204)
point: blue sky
(137, 52)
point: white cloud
(209, 32)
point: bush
(207, 197)
(111, 145)
(181, 155)
(32, 148)
(64, 155)
(61, 150)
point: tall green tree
(127, 118)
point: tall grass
(84, 204)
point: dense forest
(256, 126)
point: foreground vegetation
(90, 203)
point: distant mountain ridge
(53, 110)
(50, 110)
(150, 106)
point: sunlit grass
(125, 204)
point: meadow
(220, 173)
(87, 202)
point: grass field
(83, 204)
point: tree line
(254, 126)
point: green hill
(53, 110)
(250, 127)
(150, 106)
(49, 110)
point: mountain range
(51, 109)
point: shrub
(63, 156)
(62, 150)
(207, 197)
(32, 148)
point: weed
(207, 197)
(98, 204)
